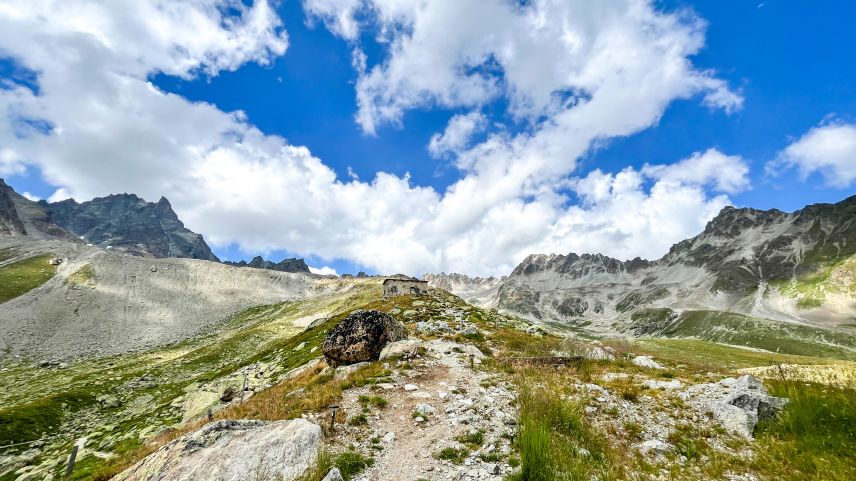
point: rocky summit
(128, 223)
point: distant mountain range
(790, 267)
(285, 265)
(122, 222)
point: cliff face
(128, 223)
(10, 223)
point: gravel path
(443, 380)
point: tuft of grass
(688, 441)
(23, 276)
(813, 438)
(472, 439)
(352, 463)
(453, 455)
(376, 401)
(358, 420)
(552, 433)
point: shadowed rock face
(361, 337)
(130, 224)
(10, 224)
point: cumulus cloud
(458, 134)
(324, 271)
(828, 149)
(576, 72)
(726, 173)
(544, 56)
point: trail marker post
(333, 409)
(77, 445)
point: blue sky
(789, 62)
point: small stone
(647, 361)
(410, 387)
(334, 475)
(389, 437)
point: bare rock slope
(104, 303)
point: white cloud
(726, 173)
(30, 196)
(828, 149)
(323, 271)
(545, 57)
(617, 67)
(458, 134)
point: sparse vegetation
(23, 276)
(453, 455)
(352, 463)
(84, 275)
(814, 438)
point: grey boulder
(234, 451)
(361, 337)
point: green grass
(832, 277)
(352, 463)
(553, 431)
(711, 356)
(472, 439)
(453, 455)
(23, 276)
(740, 330)
(814, 438)
(82, 276)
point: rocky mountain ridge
(123, 222)
(129, 223)
(793, 267)
(286, 265)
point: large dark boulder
(361, 337)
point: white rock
(423, 408)
(653, 446)
(665, 385)
(233, 451)
(334, 475)
(405, 348)
(410, 387)
(646, 361)
(300, 346)
(389, 437)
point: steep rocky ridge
(20, 216)
(285, 265)
(122, 222)
(788, 267)
(128, 223)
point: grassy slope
(554, 428)
(23, 276)
(740, 330)
(838, 277)
(60, 405)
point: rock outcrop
(10, 223)
(234, 451)
(128, 223)
(285, 265)
(361, 337)
(738, 404)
